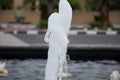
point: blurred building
(28, 16)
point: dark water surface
(34, 69)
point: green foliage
(115, 29)
(31, 2)
(43, 9)
(97, 21)
(28, 1)
(6, 4)
(75, 4)
(19, 19)
(94, 5)
(114, 4)
(55, 5)
(42, 24)
(97, 18)
(33, 7)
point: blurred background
(86, 13)
(94, 48)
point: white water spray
(57, 37)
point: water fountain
(115, 75)
(3, 71)
(56, 36)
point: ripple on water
(34, 69)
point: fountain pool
(34, 69)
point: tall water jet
(57, 37)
